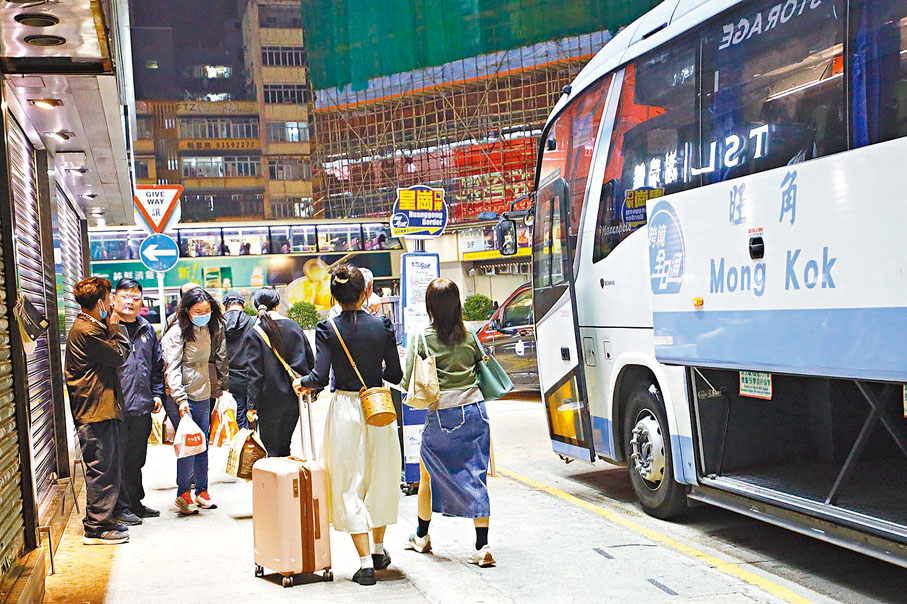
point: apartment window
(210, 127)
(151, 64)
(287, 93)
(303, 239)
(240, 165)
(141, 168)
(288, 132)
(289, 168)
(144, 127)
(285, 17)
(219, 167)
(218, 72)
(283, 56)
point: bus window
(201, 242)
(303, 239)
(541, 244)
(879, 97)
(569, 147)
(339, 237)
(773, 88)
(653, 146)
(378, 237)
(519, 312)
(245, 241)
(280, 240)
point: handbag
(493, 380)
(377, 404)
(424, 387)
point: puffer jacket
(186, 364)
(142, 376)
(236, 325)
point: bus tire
(647, 443)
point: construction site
(458, 103)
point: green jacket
(456, 364)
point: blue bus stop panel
(159, 252)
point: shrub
(305, 314)
(477, 308)
(252, 312)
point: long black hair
(267, 299)
(190, 299)
(442, 300)
(347, 284)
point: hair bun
(341, 274)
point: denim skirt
(455, 450)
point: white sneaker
(420, 544)
(482, 557)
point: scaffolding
(470, 127)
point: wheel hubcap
(648, 451)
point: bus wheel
(649, 458)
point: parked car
(510, 336)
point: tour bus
(720, 268)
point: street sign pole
(162, 302)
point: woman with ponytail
(273, 341)
(362, 461)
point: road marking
(662, 587)
(602, 552)
(729, 568)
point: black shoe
(120, 528)
(382, 560)
(128, 518)
(146, 512)
(365, 576)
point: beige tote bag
(424, 388)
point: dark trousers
(102, 455)
(134, 432)
(276, 427)
(241, 420)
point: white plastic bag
(190, 440)
(223, 421)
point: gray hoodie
(186, 363)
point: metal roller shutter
(34, 285)
(70, 256)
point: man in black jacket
(94, 352)
(142, 381)
(236, 324)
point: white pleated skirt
(363, 466)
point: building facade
(238, 155)
(65, 119)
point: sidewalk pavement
(547, 551)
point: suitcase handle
(317, 520)
(305, 400)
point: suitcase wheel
(287, 581)
(328, 576)
(259, 571)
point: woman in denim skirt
(456, 439)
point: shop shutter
(34, 285)
(70, 236)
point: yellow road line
(729, 568)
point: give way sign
(158, 205)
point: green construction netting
(352, 41)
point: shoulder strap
(425, 345)
(267, 340)
(347, 351)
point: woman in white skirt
(363, 462)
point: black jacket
(371, 341)
(270, 386)
(142, 375)
(92, 359)
(237, 325)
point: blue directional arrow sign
(159, 252)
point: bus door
(561, 376)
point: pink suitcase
(290, 513)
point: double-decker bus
(720, 268)
(292, 255)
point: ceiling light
(60, 135)
(77, 170)
(45, 40)
(46, 103)
(36, 19)
(90, 196)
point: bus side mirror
(505, 236)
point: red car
(510, 336)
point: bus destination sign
(419, 213)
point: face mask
(103, 314)
(201, 320)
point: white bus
(748, 348)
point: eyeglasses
(128, 297)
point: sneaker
(420, 544)
(382, 560)
(146, 512)
(105, 538)
(120, 528)
(482, 557)
(185, 504)
(365, 576)
(204, 501)
(128, 518)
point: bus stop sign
(159, 253)
(419, 213)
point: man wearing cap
(236, 324)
